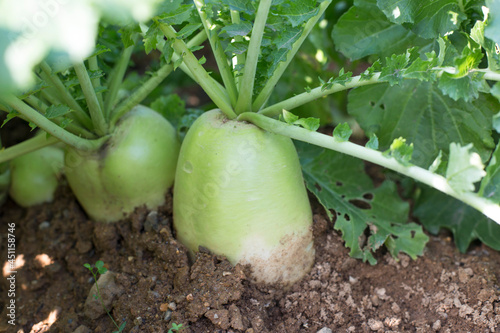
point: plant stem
(240, 58)
(141, 93)
(154, 81)
(271, 83)
(82, 117)
(316, 93)
(195, 41)
(93, 66)
(102, 302)
(51, 128)
(71, 127)
(217, 95)
(220, 56)
(246, 85)
(489, 74)
(96, 113)
(116, 79)
(27, 146)
(436, 181)
(50, 96)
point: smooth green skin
(135, 167)
(239, 192)
(35, 176)
(4, 184)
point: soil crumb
(155, 286)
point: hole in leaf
(338, 183)
(342, 196)
(368, 196)
(318, 187)
(372, 103)
(347, 217)
(412, 234)
(360, 204)
(333, 212)
(382, 106)
(362, 239)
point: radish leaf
(464, 168)
(428, 19)
(401, 151)
(490, 186)
(310, 123)
(298, 12)
(420, 113)
(436, 210)
(357, 207)
(364, 30)
(55, 111)
(492, 31)
(342, 132)
(239, 29)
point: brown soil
(154, 285)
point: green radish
(35, 176)
(135, 167)
(239, 192)
(119, 155)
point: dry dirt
(152, 284)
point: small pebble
(164, 221)
(44, 225)
(168, 315)
(395, 308)
(82, 329)
(325, 330)
(54, 268)
(375, 325)
(380, 292)
(151, 222)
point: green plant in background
(176, 328)
(98, 268)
